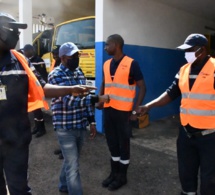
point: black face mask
(73, 63)
(9, 38)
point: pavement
(152, 170)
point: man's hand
(104, 98)
(81, 90)
(143, 109)
(92, 131)
(133, 117)
(99, 105)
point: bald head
(117, 39)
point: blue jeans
(70, 143)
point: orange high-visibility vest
(121, 93)
(198, 104)
(36, 98)
(52, 65)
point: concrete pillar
(99, 56)
(25, 16)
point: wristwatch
(134, 112)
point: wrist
(93, 123)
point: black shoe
(60, 156)
(57, 151)
(108, 180)
(117, 183)
(40, 133)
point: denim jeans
(70, 143)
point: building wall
(151, 32)
(149, 23)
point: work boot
(113, 174)
(35, 128)
(121, 178)
(41, 129)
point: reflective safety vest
(36, 98)
(198, 104)
(121, 93)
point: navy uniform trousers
(196, 154)
(117, 131)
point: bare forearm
(101, 91)
(56, 91)
(162, 100)
(141, 95)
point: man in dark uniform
(122, 75)
(38, 63)
(195, 83)
(16, 94)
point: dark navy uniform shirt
(14, 122)
(40, 66)
(135, 72)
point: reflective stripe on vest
(199, 96)
(198, 105)
(36, 98)
(121, 93)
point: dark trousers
(117, 130)
(38, 114)
(194, 155)
(14, 163)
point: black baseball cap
(56, 49)
(194, 40)
(8, 20)
(28, 47)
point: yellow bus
(42, 42)
(80, 31)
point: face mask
(73, 63)
(9, 38)
(190, 57)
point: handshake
(83, 90)
(104, 98)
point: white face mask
(190, 57)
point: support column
(25, 16)
(99, 51)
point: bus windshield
(82, 33)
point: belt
(200, 133)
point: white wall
(25, 16)
(147, 23)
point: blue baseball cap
(194, 40)
(68, 49)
